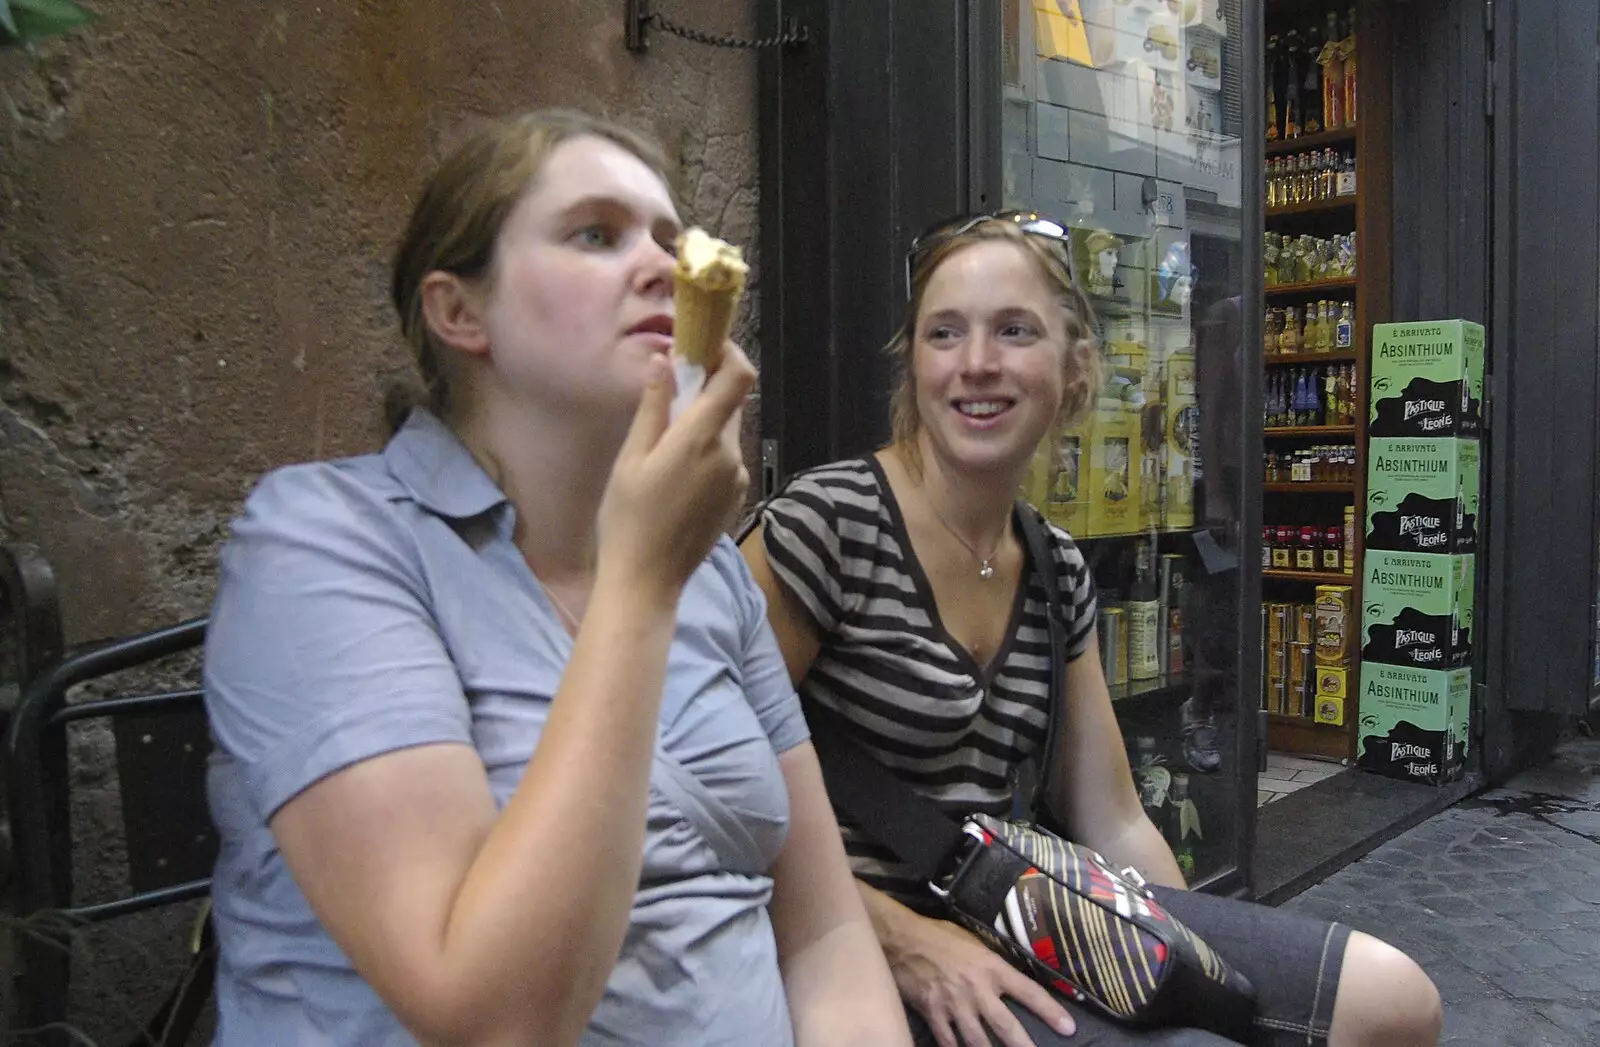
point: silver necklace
(561, 608)
(985, 563)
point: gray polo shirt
(376, 603)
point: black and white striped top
(953, 729)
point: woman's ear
(453, 309)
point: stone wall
(197, 205)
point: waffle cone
(703, 320)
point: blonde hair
(457, 220)
(1081, 361)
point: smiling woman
(505, 750)
(906, 601)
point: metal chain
(796, 34)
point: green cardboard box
(1414, 722)
(1411, 609)
(1427, 379)
(1422, 495)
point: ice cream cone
(708, 282)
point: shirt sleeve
(1076, 584)
(766, 678)
(322, 650)
(800, 533)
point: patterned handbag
(1063, 915)
(1059, 912)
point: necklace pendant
(986, 571)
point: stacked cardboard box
(1419, 571)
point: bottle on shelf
(1332, 63)
(1143, 617)
(1348, 51)
(1291, 102)
(1333, 549)
(1344, 328)
(1183, 821)
(1345, 181)
(1305, 553)
(1272, 88)
(1311, 121)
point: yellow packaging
(1278, 661)
(1305, 623)
(1116, 493)
(1349, 539)
(1054, 481)
(1181, 431)
(1302, 678)
(1333, 682)
(1335, 624)
(1330, 709)
(1277, 696)
(1277, 623)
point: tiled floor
(1285, 774)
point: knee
(1384, 999)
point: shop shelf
(1310, 358)
(1285, 431)
(1315, 487)
(1310, 577)
(1157, 690)
(1337, 203)
(1301, 721)
(1312, 287)
(1306, 143)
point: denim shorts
(1292, 960)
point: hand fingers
(944, 1034)
(972, 1031)
(1004, 1024)
(725, 393)
(651, 417)
(1037, 999)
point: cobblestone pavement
(1499, 899)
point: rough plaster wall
(197, 204)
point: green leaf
(8, 24)
(1189, 821)
(39, 18)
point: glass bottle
(1348, 49)
(1333, 549)
(1305, 553)
(1311, 121)
(1143, 610)
(1289, 337)
(1291, 101)
(1332, 75)
(1344, 328)
(1182, 819)
(1272, 90)
(1268, 532)
(1271, 327)
(1345, 184)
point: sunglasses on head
(1031, 222)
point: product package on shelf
(1055, 480)
(1336, 627)
(1173, 580)
(1290, 677)
(1178, 447)
(1422, 495)
(1116, 489)
(1413, 611)
(1414, 722)
(1427, 379)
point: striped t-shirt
(954, 730)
